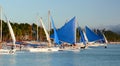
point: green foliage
(22, 31)
(111, 36)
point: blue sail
(56, 40)
(82, 37)
(102, 39)
(67, 32)
(91, 35)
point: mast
(37, 31)
(37, 28)
(75, 30)
(49, 23)
(1, 23)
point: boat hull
(96, 44)
(52, 49)
(70, 49)
(6, 51)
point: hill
(114, 28)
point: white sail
(105, 39)
(47, 35)
(11, 32)
(85, 37)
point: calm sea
(90, 57)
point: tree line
(22, 31)
(25, 31)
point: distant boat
(103, 40)
(102, 37)
(13, 48)
(93, 38)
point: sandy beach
(114, 42)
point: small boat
(95, 40)
(48, 48)
(13, 47)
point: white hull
(6, 51)
(69, 49)
(52, 49)
(80, 44)
(96, 44)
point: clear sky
(88, 12)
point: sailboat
(67, 36)
(93, 38)
(49, 47)
(103, 40)
(13, 48)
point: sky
(92, 13)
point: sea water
(97, 56)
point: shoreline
(114, 42)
